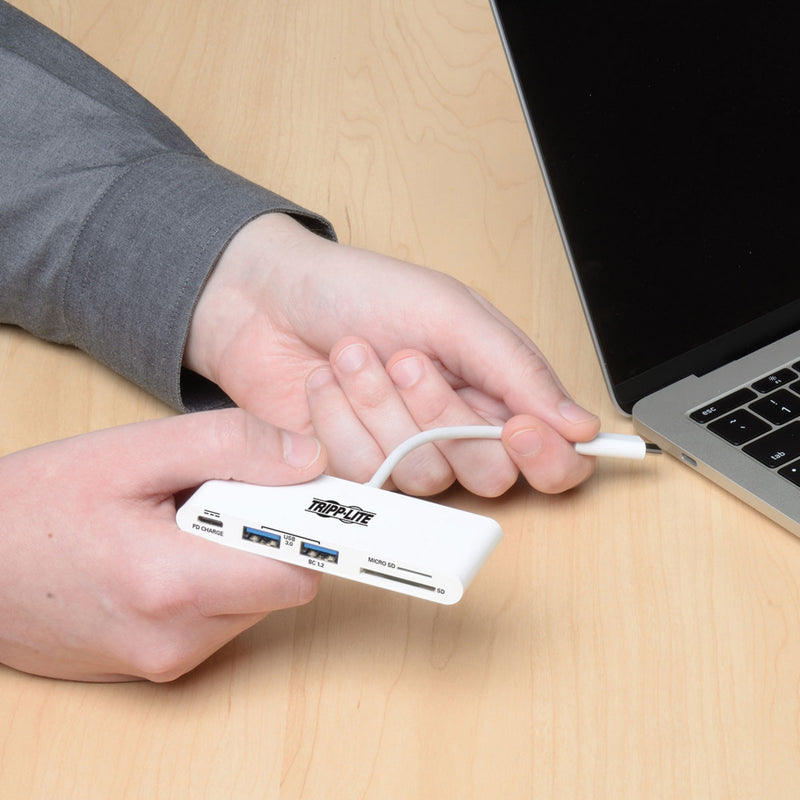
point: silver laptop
(668, 135)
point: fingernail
(352, 358)
(526, 443)
(407, 372)
(572, 412)
(320, 377)
(299, 451)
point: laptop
(668, 136)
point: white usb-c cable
(609, 445)
(617, 445)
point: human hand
(366, 350)
(98, 581)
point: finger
(501, 361)
(483, 467)
(377, 403)
(222, 581)
(181, 452)
(188, 578)
(220, 593)
(526, 383)
(166, 456)
(548, 462)
(353, 452)
(358, 413)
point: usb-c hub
(362, 532)
(342, 528)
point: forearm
(112, 219)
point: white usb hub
(351, 530)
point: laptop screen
(668, 134)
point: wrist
(235, 289)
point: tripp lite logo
(350, 515)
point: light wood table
(636, 638)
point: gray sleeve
(110, 217)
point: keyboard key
(775, 380)
(723, 405)
(779, 407)
(777, 448)
(739, 427)
(791, 472)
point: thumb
(181, 452)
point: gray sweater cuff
(142, 259)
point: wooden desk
(637, 638)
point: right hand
(367, 350)
(98, 582)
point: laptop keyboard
(763, 419)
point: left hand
(366, 350)
(96, 581)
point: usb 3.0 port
(319, 552)
(259, 536)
